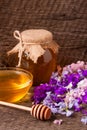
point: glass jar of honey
(37, 53)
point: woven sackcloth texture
(66, 19)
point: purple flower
(84, 98)
(84, 73)
(60, 91)
(67, 93)
(77, 108)
(53, 81)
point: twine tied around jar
(33, 43)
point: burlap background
(67, 20)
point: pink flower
(59, 122)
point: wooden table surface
(13, 119)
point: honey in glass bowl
(14, 83)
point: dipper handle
(15, 106)
(38, 111)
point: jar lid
(36, 36)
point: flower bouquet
(66, 92)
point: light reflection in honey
(14, 85)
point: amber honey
(43, 69)
(14, 84)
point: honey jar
(37, 53)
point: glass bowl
(15, 83)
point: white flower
(84, 120)
(69, 86)
(69, 113)
(82, 84)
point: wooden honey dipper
(38, 111)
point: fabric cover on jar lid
(36, 36)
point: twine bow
(32, 50)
